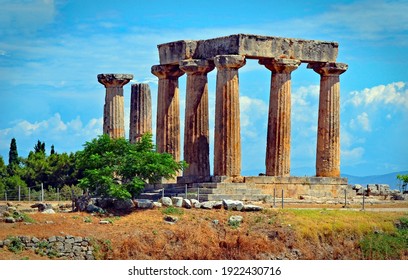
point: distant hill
(390, 179)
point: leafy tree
(13, 183)
(403, 182)
(35, 169)
(3, 176)
(118, 168)
(62, 170)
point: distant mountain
(390, 179)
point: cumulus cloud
(66, 136)
(362, 121)
(352, 156)
(254, 115)
(392, 94)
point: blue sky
(51, 52)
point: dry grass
(272, 233)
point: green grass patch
(171, 210)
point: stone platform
(259, 188)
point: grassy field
(310, 233)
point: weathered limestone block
(113, 113)
(196, 127)
(328, 130)
(277, 159)
(140, 112)
(227, 138)
(251, 46)
(168, 112)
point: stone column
(227, 138)
(168, 112)
(328, 130)
(277, 159)
(113, 112)
(196, 131)
(140, 112)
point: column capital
(328, 68)
(166, 71)
(280, 65)
(200, 66)
(229, 61)
(114, 80)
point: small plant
(234, 224)
(88, 220)
(24, 258)
(171, 210)
(154, 232)
(16, 245)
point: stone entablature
(250, 46)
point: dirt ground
(198, 227)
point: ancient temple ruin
(281, 56)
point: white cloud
(66, 136)
(353, 156)
(392, 94)
(361, 122)
(254, 115)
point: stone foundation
(259, 188)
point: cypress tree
(13, 154)
(52, 150)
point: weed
(155, 232)
(171, 210)
(24, 258)
(16, 245)
(234, 224)
(258, 219)
(88, 220)
(384, 246)
(75, 217)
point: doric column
(277, 159)
(196, 131)
(140, 112)
(113, 112)
(227, 138)
(168, 112)
(328, 130)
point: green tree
(13, 154)
(62, 170)
(118, 168)
(403, 178)
(3, 176)
(13, 158)
(39, 147)
(52, 150)
(35, 169)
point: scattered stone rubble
(66, 247)
(379, 190)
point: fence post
(58, 194)
(345, 198)
(186, 190)
(363, 197)
(42, 192)
(19, 191)
(162, 192)
(29, 193)
(282, 198)
(5, 195)
(274, 198)
(198, 193)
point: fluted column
(168, 112)
(140, 112)
(277, 159)
(227, 138)
(113, 112)
(328, 130)
(196, 131)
